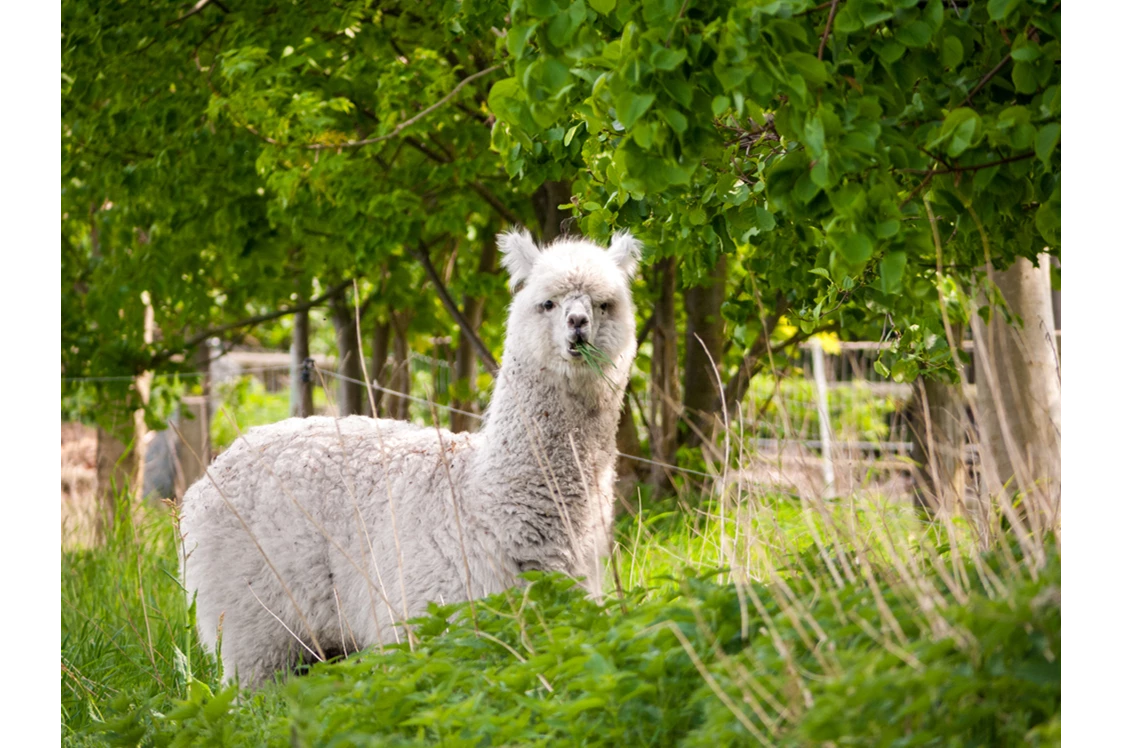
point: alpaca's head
(570, 292)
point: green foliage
(788, 408)
(246, 403)
(198, 168)
(750, 128)
(547, 664)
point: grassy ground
(756, 619)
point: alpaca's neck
(546, 465)
(540, 419)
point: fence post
(824, 413)
(194, 449)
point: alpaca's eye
(604, 307)
(547, 305)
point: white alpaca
(321, 535)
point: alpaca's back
(326, 512)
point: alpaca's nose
(578, 321)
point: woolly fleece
(319, 536)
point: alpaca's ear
(625, 250)
(519, 255)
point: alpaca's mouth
(573, 350)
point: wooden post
(824, 412)
(194, 448)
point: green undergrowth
(689, 658)
(246, 403)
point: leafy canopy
(804, 140)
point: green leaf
(1027, 52)
(559, 32)
(811, 68)
(1048, 220)
(889, 50)
(820, 171)
(675, 119)
(872, 15)
(505, 100)
(934, 15)
(643, 134)
(813, 136)
(999, 9)
(542, 8)
(887, 229)
(555, 73)
(517, 37)
(951, 52)
(630, 106)
(679, 90)
(893, 270)
(764, 220)
(857, 248)
(914, 34)
(604, 7)
(720, 105)
(904, 370)
(1025, 80)
(1047, 138)
(667, 59)
(961, 129)
(821, 271)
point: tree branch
(412, 120)
(490, 198)
(827, 30)
(418, 145)
(422, 255)
(477, 186)
(956, 169)
(986, 79)
(254, 320)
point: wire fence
(865, 410)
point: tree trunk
(464, 367)
(552, 222)
(380, 354)
(300, 399)
(144, 391)
(664, 374)
(936, 419)
(1019, 394)
(398, 407)
(627, 443)
(352, 395)
(705, 341)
